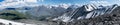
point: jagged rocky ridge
(106, 19)
(86, 12)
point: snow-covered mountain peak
(64, 5)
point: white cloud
(104, 3)
(8, 3)
(24, 1)
(30, 1)
(33, 1)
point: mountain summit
(86, 12)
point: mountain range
(64, 12)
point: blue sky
(64, 1)
(77, 1)
(1, 0)
(73, 1)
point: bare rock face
(86, 12)
(106, 19)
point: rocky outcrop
(107, 19)
(86, 12)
